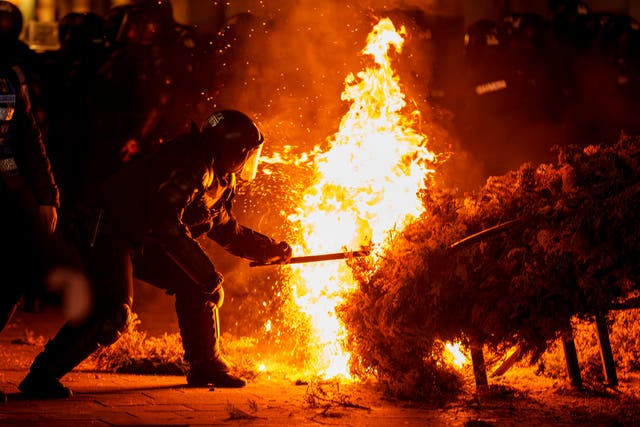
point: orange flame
(366, 184)
(454, 354)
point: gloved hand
(277, 253)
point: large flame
(366, 184)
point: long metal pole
(317, 258)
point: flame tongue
(366, 185)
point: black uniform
(136, 104)
(28, 193)
(140, 223)
(68, 76)
(26, 183)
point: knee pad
(190, 297)
(113, 325)
(220, 297)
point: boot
(70, 346)
(213, 373)
(204, 376)
(200, 332)
(38, 385)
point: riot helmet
(234, 142)
(618, 32)
(145, 24)
(482, 33)
(81, 31)
(527, 31)
(163, 7)
(481, 37)
(113, 21)
(568, 10)
(10, 23)
(566, 17)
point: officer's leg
(21, 250)
(109, 265)
(9, 297)
(197, 318)
(10, 294)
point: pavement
(107, 399)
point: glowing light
(455, 355)
(366, 184)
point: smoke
(288, 65)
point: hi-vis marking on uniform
(7, 107)
(491, 87)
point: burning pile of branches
(135, 353)
(572, 251)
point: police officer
(145, 216)
(486, 94)
(24, 165)
(28, 192)
(112, 23)
(567, 20)
(68, 76)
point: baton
(316, 258)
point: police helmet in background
(146, 23)
(235, 141)
(10, 23)
(527, 30)
(163, 7)
(79, 31)
(568, 10)
(619, 32)
(480, 37)
(567, 17)
(113, 21)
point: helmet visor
(250, 167)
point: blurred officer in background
(138, 88)
(28, 192)
(68, 77)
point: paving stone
(123, 400)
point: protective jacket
(22, 148)
(146, 201)
(211, 215)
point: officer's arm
(167, 227)
(245, 242)
(32, 148)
